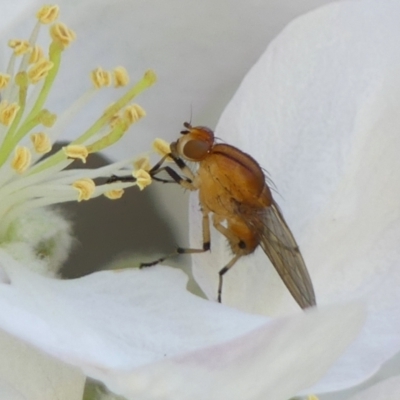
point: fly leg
(157, 168)
(180, 250)
(185, 182)
(236, 243)
(223, 271)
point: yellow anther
(4, 80)
(60, 33)
(161, 147)
(19, 46)
(41, 142)
(48, 14)
(21, 160)
(133, 113)
(8, 112)
(39, 70)
(114, 194)
(115, 120)
(36, 54)
(46, 118)
(121, 77)
(312, 397)
(142, 163)
(143, 178)
(100, 78)
(85, 188)
(76, 151)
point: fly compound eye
(195, 150)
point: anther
(48, 14)
(8, 112)
(133, 113)
(100, 78)
(121, 77)
(41, 142)
(36, 54)
(143, 178)
(161, 147)
(76, 151)
(21, 160)
(61, 34)
(39, 70)
(114, 194)
(4, 80)
(142, 163)
(85, 188)
(19, 47)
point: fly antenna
(188, 125)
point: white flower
(140, 332)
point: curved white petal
(388, 389)
(319, 112)
(28, 373)
(199, 50)
(142, 333)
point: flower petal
(272, 362)
(320, 111)
(388, 389)
(27, 373)
(199, 50)
(141, 332)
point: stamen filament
(148, 80)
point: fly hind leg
(223, 271)
(241, 241)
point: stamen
(133, 113)
(22, 110)
(142, 163)
(19, 46)
(61, 34)
(4, 80)
(39, 70)
(85, 187)
(21, 160)
(161, 147)
(121, 77)
(76, 151)
(118, 130)
(114, 194)
(41, 142)
(36, 54)
(100, 78)
(8, 112)
(48, 14)
(143, 178)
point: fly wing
(280, 246)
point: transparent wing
(280, 246)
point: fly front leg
(187, 172)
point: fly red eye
(196, 150)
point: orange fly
(232, 187)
